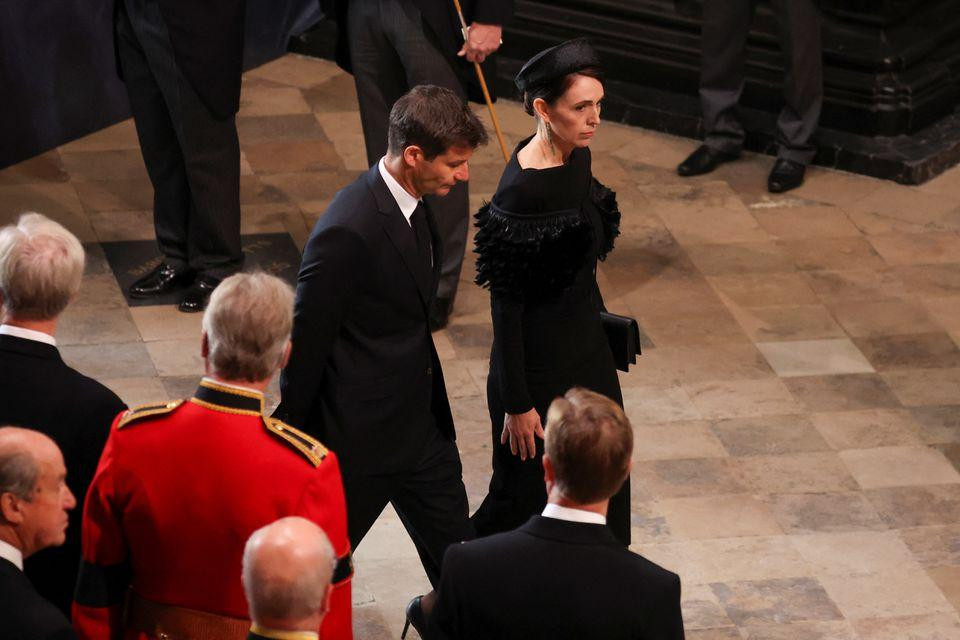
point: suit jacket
(364, 375)
(555, 579)
(207, 39)
(24, 614)
(443, 29)
(179, 489)
(39, 391)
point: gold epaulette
(147, 410)
(309, 446)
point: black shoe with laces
(163, 279)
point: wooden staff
(483, 87)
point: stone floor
(797, 406)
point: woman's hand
(520, 428)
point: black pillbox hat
(565, 58)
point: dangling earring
(548, 134)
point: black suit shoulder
(24, 615)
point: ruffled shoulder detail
(524, 255)
(605, 200)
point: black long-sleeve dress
(538, 243)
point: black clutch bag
(623, 334)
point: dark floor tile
(842, 392)
(938, 424)
(934, 546)
(902, 507)
(915, 351)
(180, 386)
(768, 435)
(688, 478)
(776, 601)
(300, 126)
(825, 513)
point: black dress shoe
(162, 279)
(704, 160)
(786, 175)
(415, 617)
(195, 298)
(440, 313)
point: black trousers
(430, 500)
(391, 52)
(193, 158)
(726, 24)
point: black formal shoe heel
(414, 617)
(161, 280)
(195, 298)
(786, 175)
(704, 160)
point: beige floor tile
(945, 310)
(657, 404)
(836, 187)
(114, 226)
(856, 285)
(805, 222)
(918, 248)
(730, 559)
(899, 466)
(176, 357)
(46, 167)
(778, 601)
(764, 290)
(741, 398)
(948, 579)
(95, 325)
(942, 626)
(116, 195)
(702, 610)
(893, 317)
(901, 209)
(137, 391)
(946, 184)
(854, 553)
(296, 71)
(903, 507)
(867, 428)
(836, 254)
(293, 156)
(739, 257)
(116, 164)
(723, 516)
(676, 441)
(271, 101)
(768, 435)
(814, 357)
(164, 322)
(817, 630)
(105, 361)
(818, 472)
(774, 324)
(122, 135)
(934, 280)
(344, 131)
(901, 592)
(716, 326)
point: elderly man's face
(45, 515)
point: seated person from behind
(563, 574)
(34, 500)
(41, 266)
(287, 568)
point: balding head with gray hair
(41, 265)
(287, 571)
(247, 327)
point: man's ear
(286, 354)
(10, 508)
(549, 475)
(413, 155)
(325, 604)
(204, 345)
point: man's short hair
(589, 442)
(41, 266)
(294, 591)
(248, 323)
(434, 119)
(19, 470)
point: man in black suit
(182, 63)
(364, 375)
(726, 24)
(393, 45)
(563, 574)
(34, 500)
(41, 265)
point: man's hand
(520, 429)
(482, 40)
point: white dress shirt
(572, 515)
(11, 553)
(405, 201)
(27, 334)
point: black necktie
(421, 230)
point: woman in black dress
(538, 242)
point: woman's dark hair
(551, 90)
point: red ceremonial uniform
(179, 489)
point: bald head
(287, 569)
(34, 498)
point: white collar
(27, 334)
(405, 201)
(572, 515)
(11, 553)
(221, 383)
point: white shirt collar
(572, 515)
(11, 553)
(27, 334)
(406, 202)
(221, 383)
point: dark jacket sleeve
(666, 618)
(507, 314)
(492, 11)
(446, 622)
(332, 263)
